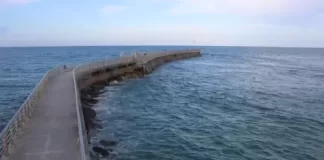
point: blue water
(231, 103)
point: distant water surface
(231, 103)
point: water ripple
(220, 106)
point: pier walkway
(51, 132)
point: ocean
(231, 103)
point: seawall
(144, 65)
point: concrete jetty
(50, 123)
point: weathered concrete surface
(51, 133)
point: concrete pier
(50, 124)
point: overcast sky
(296, 23)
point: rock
(89, 124)
(139, 74)
(99, 126)
(131, 76)
(84, 95)
(89, 113)
(101, 151)
(100, 84)
(125, 77)
(93, 94)
(84, 105)
(97, 85)
(119, 78)
(108, 143)
(91, 101)
(92, 133)
(135, 76)
(110, 150)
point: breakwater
(92, 83)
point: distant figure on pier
(135, 56)
(64, 66)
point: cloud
(250, 7)
(113, 8)
(15, 1)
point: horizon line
(121, 45)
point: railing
(153, 55)
(17, 122)
(82, 134)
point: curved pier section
(141, 63)
(50, 123)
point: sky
(282, 23)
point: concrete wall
(149, 66)
(145, 65)
(103, 75)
